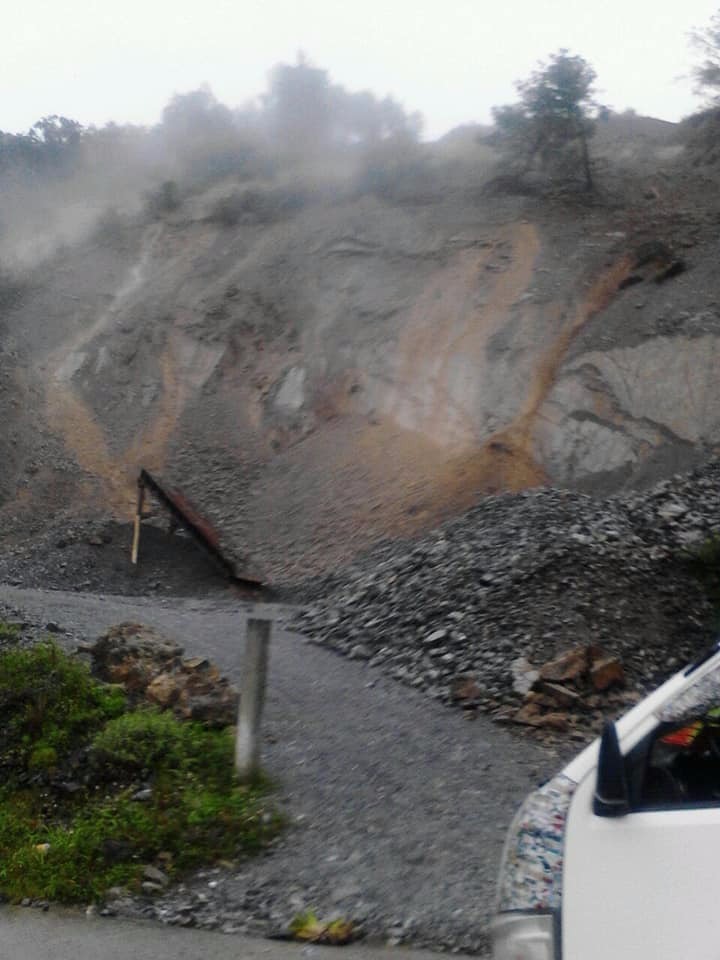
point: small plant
(9, 633)
(49, 699)
(43, 757)
(149, 740)
(703, 561)
(306, 926)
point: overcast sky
(97, 60)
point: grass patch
(9, 633)
(703, 561)
(93, 792)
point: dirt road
(398, 805)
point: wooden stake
(252, 699)
(138, 518)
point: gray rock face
(359, 367)
(609, 410)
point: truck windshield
(682, 766)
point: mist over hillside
(57, 179)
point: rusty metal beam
(199, 528)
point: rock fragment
(607, 672)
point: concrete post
(138, 521)
(252, 699)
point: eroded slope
(358, 369)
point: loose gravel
(529, 575)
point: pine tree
(553, 121)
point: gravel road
(398, 805)
(69, 935)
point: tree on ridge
(554, 118)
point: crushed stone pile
(530, 575)
(93, 555)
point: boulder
(569, 666)
(524, 675)
(588, 673)
(466, 692)
(530, 714)
(556, 721)
(163, 690)
(559, 695)
(607, 672)
(133, 655)
(150, 667)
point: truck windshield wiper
(704, 657)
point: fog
(58, 179)
(455, 60)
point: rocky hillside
(319, 366)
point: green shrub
(113, 230)
(72, 861)
(9, 633)
(397, 171)
(703, 562)
(148, 739)
(146, 783)
(47, 697)
(43, 757)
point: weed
(148, 739)
(307, 926)
(49, 699)
(703, 562)
(9, 633)
(43, 757)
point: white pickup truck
(618, 856)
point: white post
(252, 699)
(138, 521)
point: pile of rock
(93, 555)
(151, 667)
(530, 575)
(571, 692)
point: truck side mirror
(611, 789)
